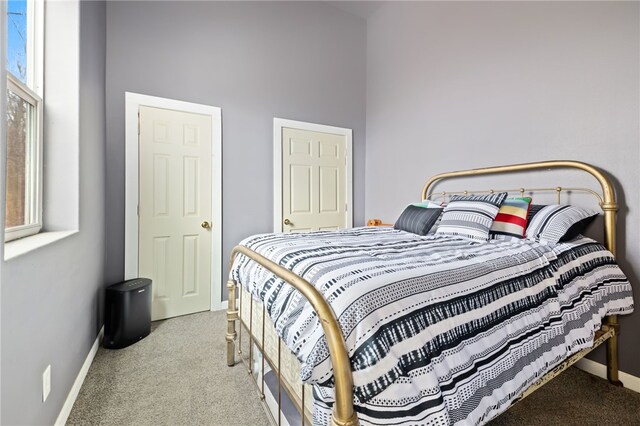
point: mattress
(439, 330)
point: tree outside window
(24, 118)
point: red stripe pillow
(511, 221)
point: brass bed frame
(343, 410)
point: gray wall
(297, 60)
(51, 297)
(462, 85)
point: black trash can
(127, 315)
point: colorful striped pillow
(428, 204)
(511, 221)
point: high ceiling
(362, 8)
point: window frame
(35, 78)
(34, 183)
(35, 46)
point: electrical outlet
(46, 383)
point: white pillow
(470, 216)
(559, 222)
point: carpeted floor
(178, 376)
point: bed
(392, 328)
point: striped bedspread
(439, 330)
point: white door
(314, 180)
(174, 218)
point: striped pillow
(428, 204)
(555, 223)
(533, 210)
(417, 220)
(511, 221)
(470, 216)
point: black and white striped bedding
(440, 330)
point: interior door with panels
(175, 209)
(314, 180)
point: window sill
(25, 245)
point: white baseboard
(600, 370)
(77, 384)
(222, 306)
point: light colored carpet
(175, 376)
(178, 376)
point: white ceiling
(362, 8)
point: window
(23, 214)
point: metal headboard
(606, 199)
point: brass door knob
(287, 222)
(205, 225)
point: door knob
(287, 222)
(205, 225)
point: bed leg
(232, 316)
(612, 351)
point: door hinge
(138, 210)
(138, 123)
